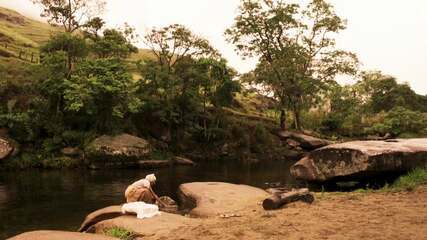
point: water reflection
(60, 200)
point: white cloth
(142, 209)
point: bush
(410, 181)
(331, 123)
(399, 121)
(120, 233)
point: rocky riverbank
(332, 216)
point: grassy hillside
(19, 33)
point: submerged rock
(206, 199)
(361, 159)
(6, 148)
(117, 151)
(59, 235)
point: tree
(70, 14)
(296, 49)
(382, 93)
(186, 77)
(113, 43)
(74, 47)
(176, 50)
(174, 43)
(103, 90)
(92, 28)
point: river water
(59, 200)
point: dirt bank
(332, 216)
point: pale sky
(387, 35)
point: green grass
(410, 181)
(120, 233)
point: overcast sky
(387, 35)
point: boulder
(206, 199)
(100, 215)
(6, 148)
(59, 235)
(361, 159)
(302, 140)
(155, 227)
(71, 152)
(116, 151)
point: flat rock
(156, 226)
(6, 148)
(116, 151)
(361, 159)
(208, 199)
(59, 235)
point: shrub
(410, 181)
(398, 121)
(120, 233)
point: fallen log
(276, 201)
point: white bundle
(142, 209)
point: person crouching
(141, 191)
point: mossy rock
(116, 151)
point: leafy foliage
(70, 14)
(296, 48)
(103, 90)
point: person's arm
(157, 198)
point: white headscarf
(151, 178)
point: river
(59, 200)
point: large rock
(361, 159)
(6, 148)
(156, 227)
(214, 198)
(117, 151)
(59, 235)
(99, 216)
(302, 140)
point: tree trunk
(283, 119)
(297, 116)
(277, 200)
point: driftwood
(278, 199)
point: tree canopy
(296, 49)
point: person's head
(151, 178)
